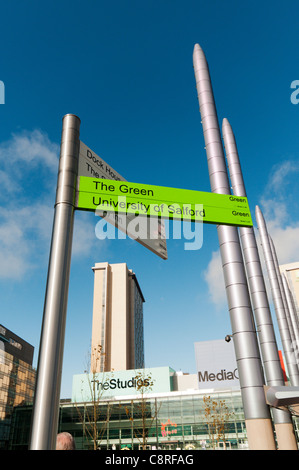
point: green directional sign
(172, 203)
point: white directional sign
(150, 236)
(216, 365)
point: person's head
(65, 441)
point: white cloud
(280, 172)
(213, 275)
(285, 239)
(31, 148)
(84, 239)
(26, 220)
(7, 183)
(24, 239)
(279, 205)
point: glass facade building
(175, 420)
(194, 420)
(151, 409)
(17, 379)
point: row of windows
(138, 329)
(160, 420)
(17, 381)
(194, 409)
(163, 421)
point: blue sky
(125, 68)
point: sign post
(47, 392)
(160, 201)
(93, 166)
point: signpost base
(260, 434)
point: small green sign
(188, 205)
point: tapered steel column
(294, 316)
(274, 376)
(290, 320)
(257, 413)
(47, 393)
(277, 300)
(292, 309)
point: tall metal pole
(290, 320)
(257, 413)
(47, 392)
(291, 305)
(293, 314)
(295, 308)
(274, 376)
(277, 299)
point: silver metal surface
(290, 301)
(282, 396)
(290, 319)
(277, 299)
(48, 382)
(243, 328)
(293, 316)
(262, 313)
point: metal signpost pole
(47, 392)
(277, 299)
(274, 376)
(257, 413)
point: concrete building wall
(117, 329)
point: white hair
(65, 441)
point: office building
(291, 272)
(117, 328)
(154, 408)
(174, 414)
(17, 378)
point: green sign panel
(172, 203)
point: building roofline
(133, 275)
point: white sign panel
(150, 234)
(102, 385)
(216, 365)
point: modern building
(291, 272)
(174, 414)
(153, 408)
(17, 378)
(117, 328)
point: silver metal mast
(47, 392)
(277, 299)
(289, 317)
(257, 413)
(263, 319)
(293, 314)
